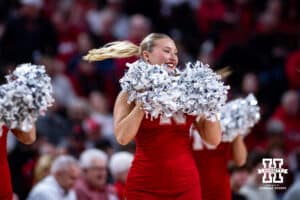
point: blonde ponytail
(118, 49)
(224, 72)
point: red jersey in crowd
(291, 128)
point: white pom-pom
(195, 91)
(238, 116)
(151, 85)
(203, 91)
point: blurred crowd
(258, 40)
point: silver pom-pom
(238, 116)
(26, 95)
(204, 92)
(151, 85)
(197, 90)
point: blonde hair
(42, 168)
(224, 72)
(124, 49)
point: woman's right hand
(139, 105)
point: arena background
(258, 40)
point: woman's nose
(173, 57)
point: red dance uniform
(212, 168)
(5, 182)
(163, 167)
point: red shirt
(120, 189)
(163, 166)
(291, 128)
(292, 69)
(85, 192)
(5, 183)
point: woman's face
(163, 52)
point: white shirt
(106, 122)
(253, 192)
(49, 189)
(293, 193)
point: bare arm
(127, 119)
(25, 137)
(209, 131)
(239, 151)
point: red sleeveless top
(5, 183)
(214, 176)
(163, 164)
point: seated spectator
(58, 185)
(292, 69)
(63, 90)
(101, 115)
(119, 166)
(92, 185)
(251, 190)
(27, 32)
(288, 114)
(238, 178)
(293, 193)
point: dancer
(6, 192)
(163, 166)
(237, 117)
(214, 174)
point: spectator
(139, 27)
(58, 185)
(42, 167)
(288, 114)
(292, 69)
(92, 184)
(26, 33)
(119, 166)
(251, 190)
(293, 193)
(100, 113)
(62, 88)
(238, 178)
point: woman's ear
(145, 55)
